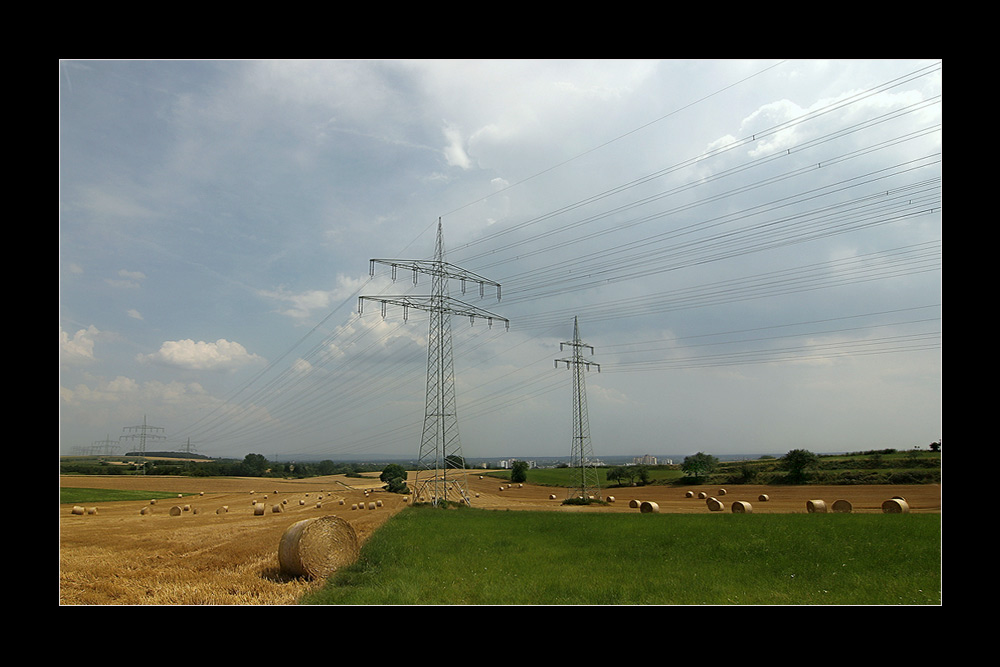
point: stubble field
(118, 556)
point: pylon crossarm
(436, 269)
(433, 304)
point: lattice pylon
(441, 472)
(441, 465)
(585, 483)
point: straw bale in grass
(742, 507)
(842, 506)
(315, 548)
(895, 506)
(816, 506)
(649, 507)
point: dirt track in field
(119, 556)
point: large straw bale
(742, 507)
(895, 506)
(763, 497)
(816, 506)
(842, 506)
(175, 510)
(649, 507)
(722, 492)
(258, 509)
(689, 494)
(633, 503)
(702, 495)
(78, 509)
(276, 509)
(715, 505)
(610, 499)
(315, 548)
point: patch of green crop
(75, 495)
(430, 557)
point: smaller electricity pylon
(585, 484)
(441, 465)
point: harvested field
(120, 556)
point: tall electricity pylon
(585, 483)
(142, 433)
(441, 465)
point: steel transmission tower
(441, 465)
(142, 433)
(585, 483)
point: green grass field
(476, 557)
(80, 496)
(566, 476)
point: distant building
(645, 460)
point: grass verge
(474, 557)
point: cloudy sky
(752, 247)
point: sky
(751, 247)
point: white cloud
(79, 348)
(220, 355)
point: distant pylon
(585, 483)
(441, 465)
(142, 433)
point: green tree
(798, 462)
(699, 465)
(255, 465)
(519, 472)
(394, 476)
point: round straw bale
(689, 494)
(77, 509)
(552, 496)
(222, 510)
(201, 493)
(91, 510)
(187, 508)
(354, 506)
(633, 503)
(195, 511)
(610, 499)
(371, 506)
(895, 506)
(715, 505)
(742, 507)
(284, 501)
(842, 506)
(763, 497)
(379, 503)
(301, 502)
(341, 502)
(144, 511)
(520, 486)
(276, 509)
(153, 501)
(180, 495)
(899, 498)
(315, 548)
(477, 494)
(319, 505)
(649, 507)
(722, 492)
(175, 510)
(815, 506)
(702, 495)
(258, 509)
